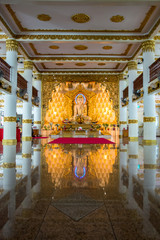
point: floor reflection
(81, 192)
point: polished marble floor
(77, 192)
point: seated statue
(80, 108)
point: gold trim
(11, 45)
(123, 150)
(122, 122)
(26, 138)
(80, 64)
(150, 166)
(9, 165)
(26, 155)
(133, 139)
(149, 119)
(27, 121)
(80, 47)
(149, 142)
(43, 17)
(1, 101)
(148, 46)
(10, 119)
(37, 122)
(101, 64)
(107, 47)
(117, 19)
(121, 77)
(80, 18)
(140, 126)
(120, 136)
(59, 64)
(38, 77)
(53, 47)
(28, 65)
(9, 141)
(132, 65)
(37, 150)
(133, 156)
(23, 29)
(130, 121)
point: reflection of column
(149, 178)
(9, 183)
(133, 117)
(122, 110)
(36, 163)
(132, 168)
(123, 157)
(149, 135)
(37, 110)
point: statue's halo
(80, 94)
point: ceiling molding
(24, 29)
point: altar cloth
(69, 140)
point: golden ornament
(54, 47)
(43, 17)
(80, 18)
(80, 47)
(117, 18)
(80, 64)
(107, 47)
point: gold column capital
(28, 65)
(11, 45)
(148, 46)
(132, 65)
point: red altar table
(18, 135)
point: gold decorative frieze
(11, 45)
(43, 17)
(26, 155)
(132, 121)
(10, 119)
(133, 139)
(132, 65)
(9, 165)
(117, 18)
(37, 122)
(27, 121)
(54, 47)
(123, 150)
(122, 122)
(107, 47)
(28, 65)
(121, 77)
(26, 138)
(38, 77)
(148, 46)
(80, 18)
(37, 150)
(133, 156)
(9, 141)
(80, 47)
(150, 166)
(149, 119)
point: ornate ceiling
(97, 37)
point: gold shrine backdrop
(57, 98)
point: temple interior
(79, 120)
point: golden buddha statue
(80, 108)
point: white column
(133, 116)
(149, 135)
(27, 121)
(122, 110)
(37, 110)
(123, 157)
(9, 134)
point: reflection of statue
(80, 107)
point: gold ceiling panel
(80, 18)
(117, 18)
(24, 29)
(43, 17)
